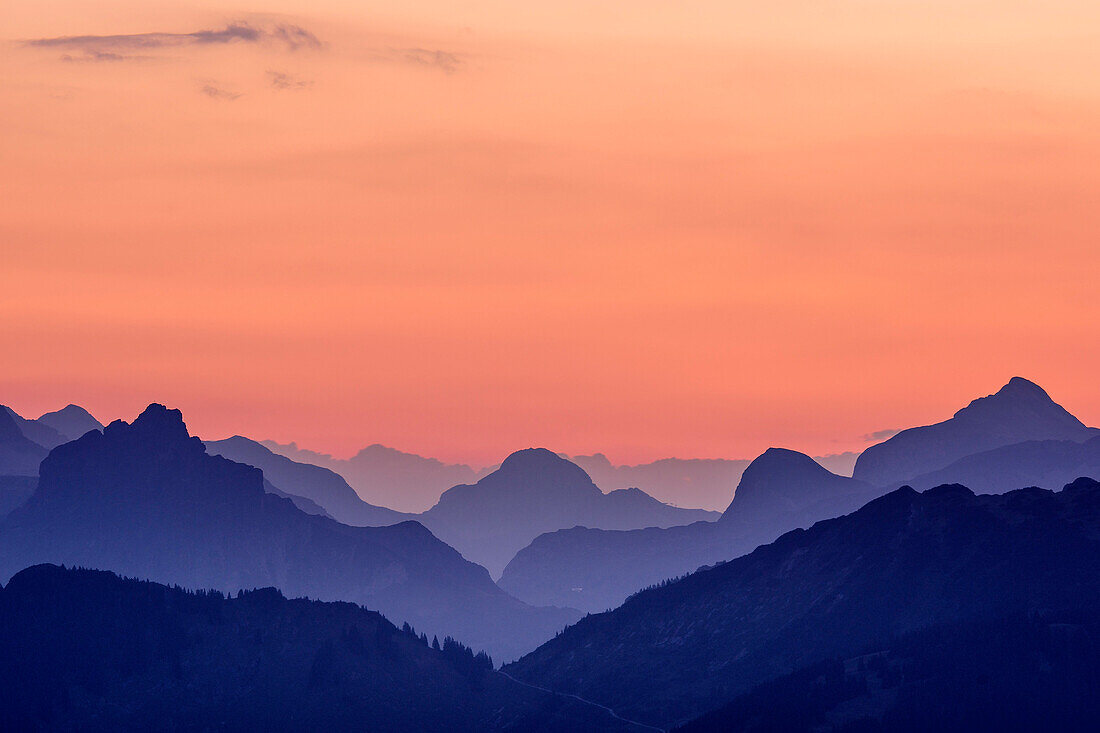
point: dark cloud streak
(293, 37)
(215, 92)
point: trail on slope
(606, 709)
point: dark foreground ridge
(903, 562)
(87, 650)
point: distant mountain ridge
(689, 482)
(534, 491)
(781, 490)
(595, 570)
(388, 477)
(146, 499)
(70, 422)
(1020, 411)
(320, 485)
(903, 562)
(19, 455)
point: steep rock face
(320, 485)
(536, 491)
(1020, 411)
(903, 562)
(146, 500)
(70, 422)
(19, 456)
(87, 650)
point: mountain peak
(71, 421)
(780, 478)
(537, 460)
(1019, 411)
(1018, 392)
(157, 421)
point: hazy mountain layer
(322, 486)
(386, 476)
(782, 490)
(536, 491)
(146, 500)
(905, 561)
(596, 570)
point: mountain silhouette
(784, 488)
(70, 422)
(145, 499)
(320, 485)
(87, 650)
(536, 491)
(386, 476)
(904, 562)
(19, 455)
(594, 570)
(692, 482)
(1020, 411)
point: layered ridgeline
(146, 500)
(87, 650)
(904, 562)
(321, 486)
(19, 455)
(594, 570)
(696, 482)
(536, 491)
(532, 492)
(387, 476)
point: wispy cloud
(881, 434)
(292, 37)
(443, 60)
(93, 56)
(215, 92)
(283, 80)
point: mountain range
(386, 476)
(536, 491)
(595, 570)
(695, 482)
(320, 486)
(533, 491)
(904, 562)
(146, 499)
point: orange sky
(643, 227)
